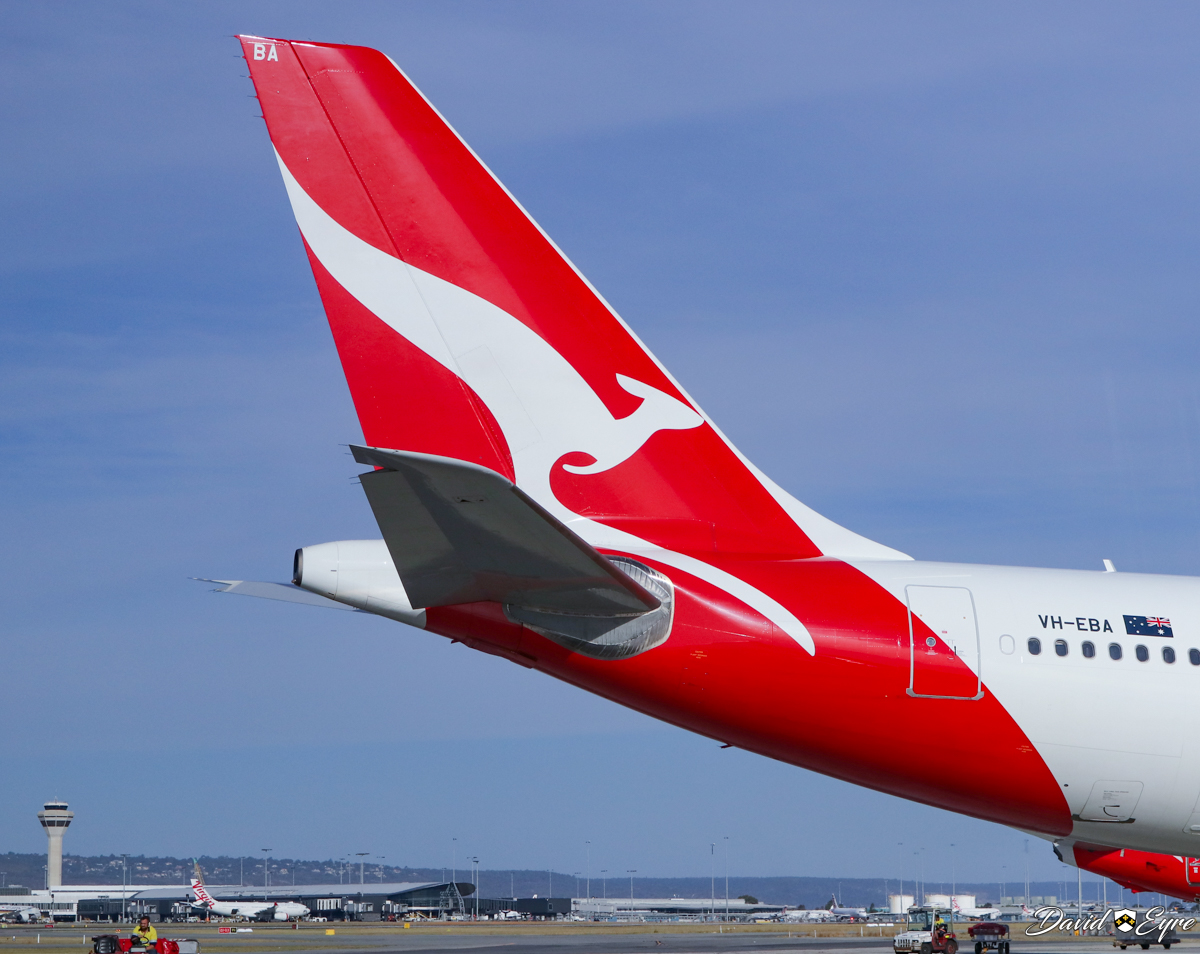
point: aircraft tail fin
(465, 333)
(198, 889)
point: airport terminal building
(671, 909)
(333, 902)
(337, 902)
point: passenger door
(943, 638)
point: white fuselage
(982, 914)
(255, 910)
(1125, 732)
(22, 915)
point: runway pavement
(628, 944)
(531, 939)
(692, 944)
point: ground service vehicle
(989, 936)
(1151, 936)
(547, 493)
(927, 931)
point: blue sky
(930, 265)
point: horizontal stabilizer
(275, 591)
(461, 533)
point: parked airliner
(815, 916)
(548, 493)
(982, 914)
(19, 914)
(251, 910)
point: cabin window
(1168, 654)
(1142, 653)
(1060, 647)
(1194, 657)
(1114, 650)
(1088, 648)
(1035, 646)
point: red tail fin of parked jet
(548, 493)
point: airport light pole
(726, 877)
(632, 872)
(712, 879)
(380, 857)
(1027, 876)
(604, 882)
(123, 859)
(953, 875)
(476, 860)
(953, 881)
(901, 895)
(589, 869)
(453, 859)
(266, 866)
(362, 879)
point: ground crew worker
(144, 935)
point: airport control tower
(54, 818)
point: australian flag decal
(1148, 626)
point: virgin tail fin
(198, 888)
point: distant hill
(29, 870)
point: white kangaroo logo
(657, 412)
(544, 406)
